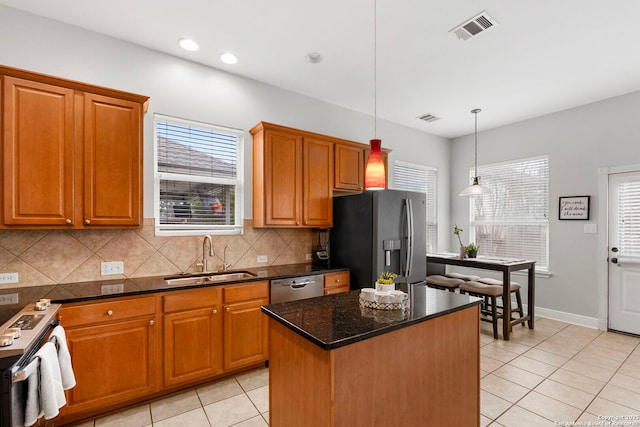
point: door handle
(614, 249)
(614, 260)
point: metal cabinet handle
(110, 312)
(87, 222)
(67, 221)
(152, 322)
(215, 311)
(228, 309)
(337, 280)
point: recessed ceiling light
(188, 44)
(313, 57)
(228, 58)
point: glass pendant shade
(374, 175)
(475, 189)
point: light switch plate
(591, 228)
(262, 258)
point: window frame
(542, 265)
(434, 194)
(199, 229)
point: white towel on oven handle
(45, 395)
(59, 338)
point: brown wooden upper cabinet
(296, 173)
(292, 178)
(72, 153)
(349, 168)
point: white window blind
(413, 177)
(199, 178)
(629, 218)
(513, 221)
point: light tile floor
(554, 375)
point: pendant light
(374, 175)
(475, 188)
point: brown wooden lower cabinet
(192, 335)
(129, 349)
(114, 347)
(245, 327)
(335, 283)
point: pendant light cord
(475, 160)
(375, 67)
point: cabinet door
(283, 178)
(349, 168)
(318, 183)
(113, 363)
(112, 162)
(192, 345)
(38, 153)
(245, 334)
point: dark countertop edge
(167, 288)
(364, 336)
(63, 293)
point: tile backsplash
(45, 257)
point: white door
(624, 252)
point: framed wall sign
(575, 207)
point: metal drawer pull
(110, 312)
(228, 309)
(68, 221)
(152, 322)
(215, 311)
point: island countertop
(338, 320)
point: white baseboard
(574, 319)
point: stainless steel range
(29, 328)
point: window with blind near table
(424, 179)
(198, 179)
(513, 220)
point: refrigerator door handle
(410, 247)
(407, 225)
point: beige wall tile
(44, 257)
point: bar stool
(444, 283)
(490, 294)
(465, 277)
(518, 308)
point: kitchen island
(335, 363)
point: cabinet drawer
(336, 290)
(245, 292)
(332, 280)
(188, 300)
(112, 310)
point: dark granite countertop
(85, 291)
(337, 320)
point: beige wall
(43, 257)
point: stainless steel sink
(205, 278)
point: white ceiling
(544, 56)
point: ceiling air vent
(428, 117)
(474, 26)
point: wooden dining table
(504, 265)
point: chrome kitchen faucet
(204, 252)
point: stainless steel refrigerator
(378, 231)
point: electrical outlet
(111, 268)
(308, 257)
(8, 299)
(263, 258)
(118, 288)
(8, 277)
